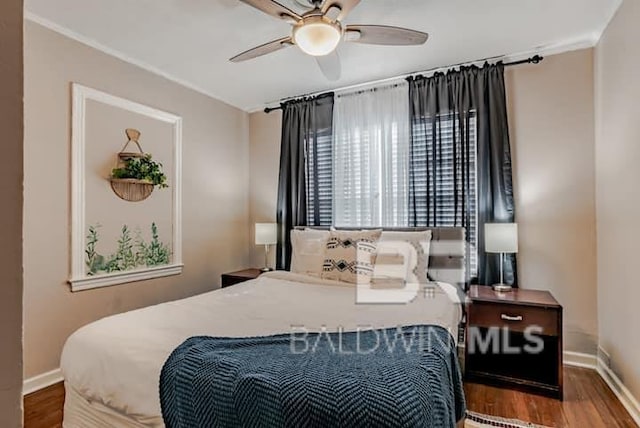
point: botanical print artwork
(131, 253)
(126, 205)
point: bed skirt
(80, 412)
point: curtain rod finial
(536, 59)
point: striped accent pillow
(350, 255)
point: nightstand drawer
(515, 317)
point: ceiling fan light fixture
(317, 36)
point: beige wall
(215, 191)
(265, 160)
(618, 192)
(11, 124)
(551, 115)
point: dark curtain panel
(306, 123)
(455, 115)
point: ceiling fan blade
(267, 48)
(345, 6)
(385, 35)
(275, 9)
(330, 65)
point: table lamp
(266, 234)
(501, 238)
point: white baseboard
(624, 395)
(578, 359)
(39, 382)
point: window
(371, 177)
(320, 180)
(445, 178)
(371, 135)
(378, 174)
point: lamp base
(501, 288)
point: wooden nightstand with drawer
(514, 339)
(233, 278)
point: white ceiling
(190, 41)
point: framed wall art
(125, 191)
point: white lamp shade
(501, 237)
(266, 233)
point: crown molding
(612, 13)
(585, 41)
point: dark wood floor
(43, 409)
(588, 403)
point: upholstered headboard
(446, 255)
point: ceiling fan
(319, 31)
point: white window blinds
(444, 176)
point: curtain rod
(536, 59)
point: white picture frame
(79, 280)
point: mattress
(115, 362)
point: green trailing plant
(124, 255)
(141, 249)
(155, 253)
(142, 168)
(112, 265)
(94, 260)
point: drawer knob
(511, 318)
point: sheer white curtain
(371, 157)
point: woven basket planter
(130, 189)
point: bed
(112, 366)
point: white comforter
(117, 361)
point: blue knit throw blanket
(405, 377)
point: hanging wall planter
(130, 189)
(136, 174)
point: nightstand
(233, 278)
(514, 339)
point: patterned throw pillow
(350, 255)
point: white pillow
(410, 247)
(308, 246)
